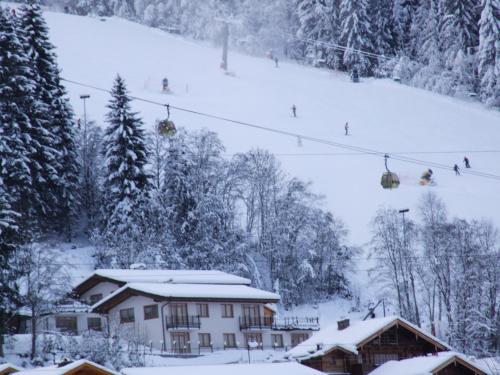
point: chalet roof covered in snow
(72, 368)
(288, 368)
(429, 365)
(8, 368)
(121, 277)
(186, 292)
(352, 337)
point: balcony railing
(255, 322)
(295, 323)
(188, 322)
(282, 324)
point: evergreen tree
(356, 35)
(125, 158)
(44, 161)
(489, 51)
(384, 39)
(16, 101)
(58, 121)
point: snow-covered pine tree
(458, 28)
(489, 51)
(404, 12)
(125, 158)
(316, 26)
(58, 120)
(384, 39)
(44, 161)
(356, 35)
(16, 101)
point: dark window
(227, 310)
(127, 315)
(94, 324)
(94, 298)
(202, 310)
(180, 342)
(381, 358)
(253, 339)
(277, 340)
(297, 338)
(229, 340)
(66, 324)
(204, 339)
(150, 312)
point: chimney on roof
(342, 324)
(138, 266)
(64, 361)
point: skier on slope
(346, 127)
(164, 84)
(276, 61)
(457, 170)
(294, 110)
(426, 177)
(466, 162)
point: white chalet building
(183, 312)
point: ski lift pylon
(389, 180)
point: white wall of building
(151, 330)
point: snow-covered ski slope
(382, 115)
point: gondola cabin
(166, 128)
(389, 180)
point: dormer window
(94, 298)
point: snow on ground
(382, 115)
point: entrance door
(180, 342)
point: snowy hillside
(382, 115)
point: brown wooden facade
(395, 343)
(7, 369)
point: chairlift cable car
(389, 180)
(167, 127)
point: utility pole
(225, 43)
(85, 165)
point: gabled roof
(356, 335)
(429, 365)
(185, 292)
(121, 277)
(70, 369)
(288, 368)
(9, 368)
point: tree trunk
(34, 333)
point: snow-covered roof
(492, 364)
(9, 366)
(171, 276)
(198, 292)
(288, 368)
(55, 370)
(425, 365)
(351, 337)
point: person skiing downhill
(164, 84)
(276, 61)
(346, 127)
(457, 170)
(294, 110)
(466, 162)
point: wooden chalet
(80, 367)
(8, 368)
(361, 347)
(447, 363)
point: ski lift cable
(297, 135)
(342, 48)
